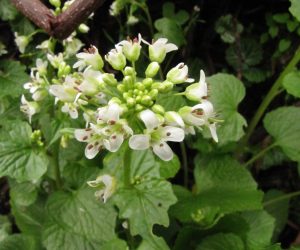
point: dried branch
(60, 26)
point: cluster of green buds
(118, 109)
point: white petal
(91, 151)
(139, 142)
(114, 142)
(206, 106)
(170, 133)
(173, 118)
(149, 118)
(170, 47)
(212, 128)
(82, 134)
(73, 113)
(163, 151)
(202, 77)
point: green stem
(126, 165)
(274, 91)
(259, 155)
(281, 198)
(57, 175)
(185, 164)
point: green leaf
(284, 44)
(221, 242)
(283, 125)
(181, 17)
(5, 227)
(279, 210)
(7, 10)
(226, 92)
(222, 187)
(146, 201)
(170, 101)
(12, 78)
(255, 75)
(261, 226)
(250, 54)
(116, 244)
(22, 25)
(24, 193)
(291, 82)
(18, 158)
(169, 29)
(281, 17)
(76, 220)
(295, 9)
(18, 242)
(168, 169)
(228, 28)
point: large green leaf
(226, 93)
(18, 242)
(222, 187)
(7, 10)
(76, 220)
(5, 227)
(291, 82)
(261, 227)
(295, 9)
(221, 242)
(12, 78)
(19, 159)
(146, 201)
(283, 125)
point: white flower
(132, 20)
(71, 109)
(131, 48)
(200, 115)
(29, 108)
(41, 67)
(36, 86)
(156, 135)
(159, 49)
(197, 91)
(106, 184)
(90, 57)
(55, 60)
(179, 74)
(116, 58)
(21, 42)
(72, 45)
(91, 83)
(67, 92)
(174, 119)
(45, 45)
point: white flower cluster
(117, 110)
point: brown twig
(60, 26)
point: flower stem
(274, 91)
(126, 165)
(185, 164)
(259, 155)
(281, 198)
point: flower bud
(128, 81)
(165, 86)
(63, 69)
(21, 42)
(121, 88)
(179, 74)
(132, 50)
(152, 69)
(129, 71)
(109, 79)
(139, 86)
(130, 102)
(106, 186)
(147, 82)
(174, 119)
(146, 100)
(153, 93)
(158, 109)
(83, 28)
(55, 3)
(116, 58)
(139, 107)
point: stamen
(114, 137)
(168, 134)
(161, 145)
(84, 138)
(90, 146)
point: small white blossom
(29, 108)
(131, 48)
(72, 45)
(55, 60)
(179, 74)
(106, 185)
(116, 58)
(159, 49)
(156, 135)
(21, 42)
(90, 57)
(197, 91)
(132, 20)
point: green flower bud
(109, 79)
(126, 95)
(131, 49)
(156, 85)
(63, 70)
(166, 86)
(152, 69)
(55, 3)
(147, 82)
(115, 100)
(146, 100)
(128, 81)
(158, 109)
(139, 86)
(139, 107)
(153, 93)
(116, 58)
(129, 71)
(130, 102)
(121, 88)
(83, 28)
(138, 99)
